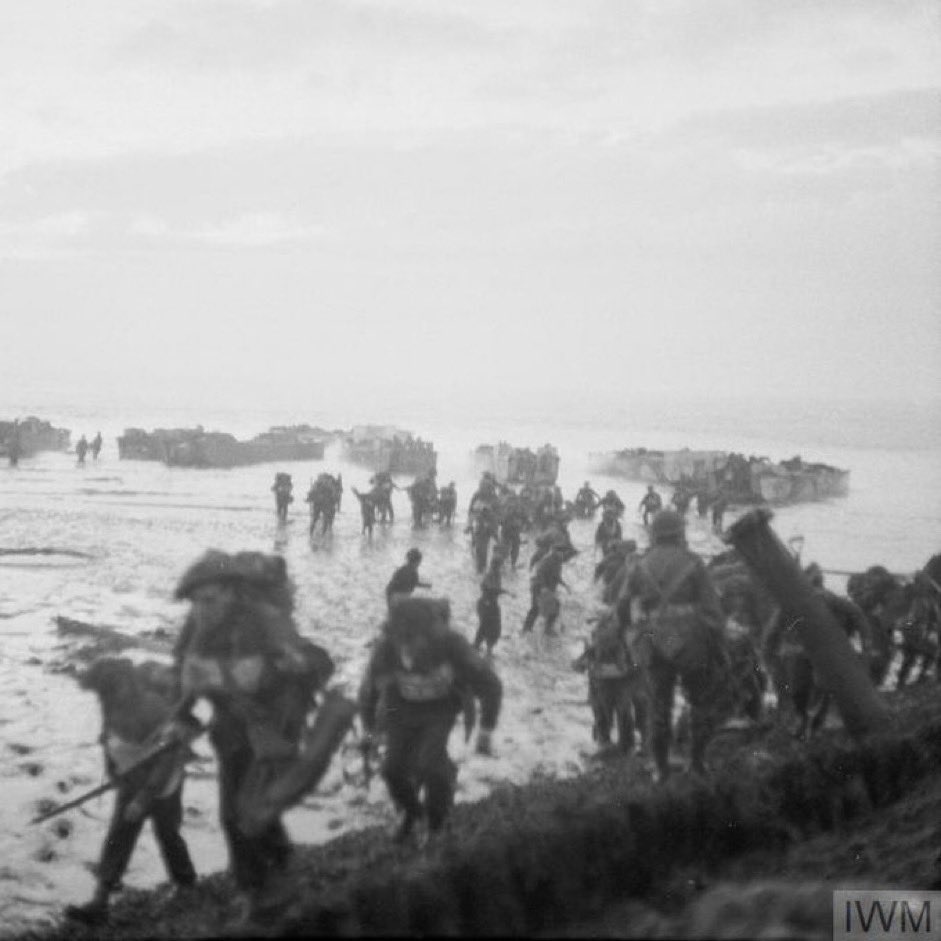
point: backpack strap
(666, 594)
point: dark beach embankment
(607, 853)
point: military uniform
(261, 677)
(422, 697)
(679, 622)
(134, 713)
(792, 670)
(545, 581)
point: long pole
(834, 660)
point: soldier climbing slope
(240, 649)
(423, 672)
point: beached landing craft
(390, 449)
(745, 480)
(518, 465)
(183, 447)
(33, 435)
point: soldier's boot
(94, 911)
(406, 828)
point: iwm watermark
(888, 915)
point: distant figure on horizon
(81, 449)
(15, 449)
(96, 446)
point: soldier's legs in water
(661, 682)
(166, 817)
(601, 709)
(399, 771)
(436, 771)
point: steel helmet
(666, 525)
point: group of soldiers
(83, 447)
(239, 649)
(666, 618)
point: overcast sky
(610, 197)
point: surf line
(47, 550)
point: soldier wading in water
(678, 619)
(420, 675)
(240, 650)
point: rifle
(159, 749)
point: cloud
(258, 230)
(240, 34)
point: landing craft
(389, 449)
(512, 465)
(744, 480)
(33, 434)
(194, 447)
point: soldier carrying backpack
(679, 620)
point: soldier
(791, 669)
(611, 501)
(239, 648)
(381, 494)
(608, 530)
(486, 492)
(483, 528)
(586, 500)
(719, 505)
(614, 683)
(447, 504)
(650, 504)
(405, 578)
(135, 707)
(490, 622)
(282, 488)
(681, 499)
(679, 622)
(96, 446)
(546, 579)
(81, 449)
(423, 671)
(367, 509)
(15, 447)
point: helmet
(216, 566)
(413, 555)
(666, 525)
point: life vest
(438, 683)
